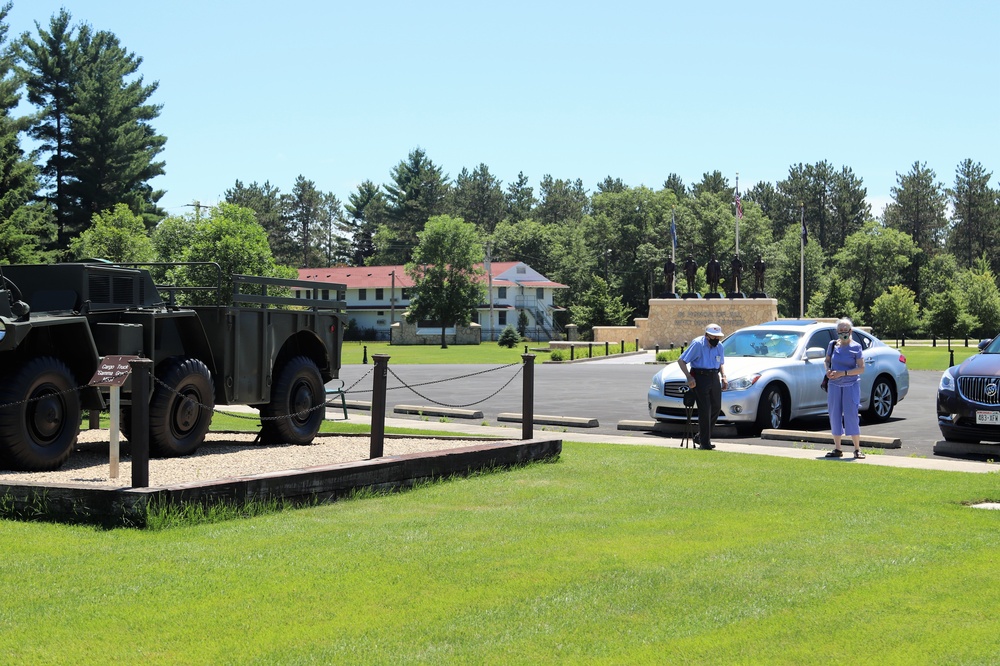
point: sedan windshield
(764, 344)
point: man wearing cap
(706, 377)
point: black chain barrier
(436, 381)
(248, 417)
(472, 374)
(324, 405)
(41, 397)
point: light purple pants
(843, 403)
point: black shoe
(836, 453)
(707, 447)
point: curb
(542, 419)
(871, 441)
(438, 411)
(945, 447)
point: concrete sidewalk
(940, 464)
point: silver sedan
(775, 371)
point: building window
(501, 292)
(379, 294)
(326, 294)
(404, 294)
(521, 270)
(362, 294)
(502, 318)
(540, 294)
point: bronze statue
(713, 273)
(736, 265)
(669, 269)
(758, 275)
(690, 272)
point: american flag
(739, 205)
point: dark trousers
(708, 397)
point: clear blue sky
(341, 91)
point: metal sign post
(113, 371)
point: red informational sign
(112, 371)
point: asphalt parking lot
(611, 391)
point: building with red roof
(377, 297)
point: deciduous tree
(447, 284)
(118, 235)
(895, 311)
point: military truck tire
(297, 389)
(179, 418)
(38, 435)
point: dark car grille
(984, 390)
(675, 390)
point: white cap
(714, 329)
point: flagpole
(673, 249)
(737, 214)
(802, 261)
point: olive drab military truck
(58, 321)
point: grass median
(613, 554)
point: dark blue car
(968, 398)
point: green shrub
(556, 355)
(509, 337)
(668, 355)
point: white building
(377, 296)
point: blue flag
(673, 230)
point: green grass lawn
(488, 353)
(917, 357)
(614, 554)
(934, 358)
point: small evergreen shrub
(556, 355)
(509, 337)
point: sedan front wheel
(772, 410)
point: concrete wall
(406, 334)
(679, 320)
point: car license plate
(991, 418)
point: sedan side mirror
(983, 343)
(814, 353)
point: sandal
(836, 453)
(859, 455)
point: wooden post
(381, 373)
(528, 397)
(142, 369)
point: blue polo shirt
(702, 356)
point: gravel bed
(223, 455)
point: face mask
(712, 342)
(844, 336)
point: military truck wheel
(39, 433)
(295, 393)
(179, 416)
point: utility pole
(392, 303)
(489, 288)
(197, 209)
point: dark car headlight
(947, 382)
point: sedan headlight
(743, 383)
(947, 380)
(655, 386)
